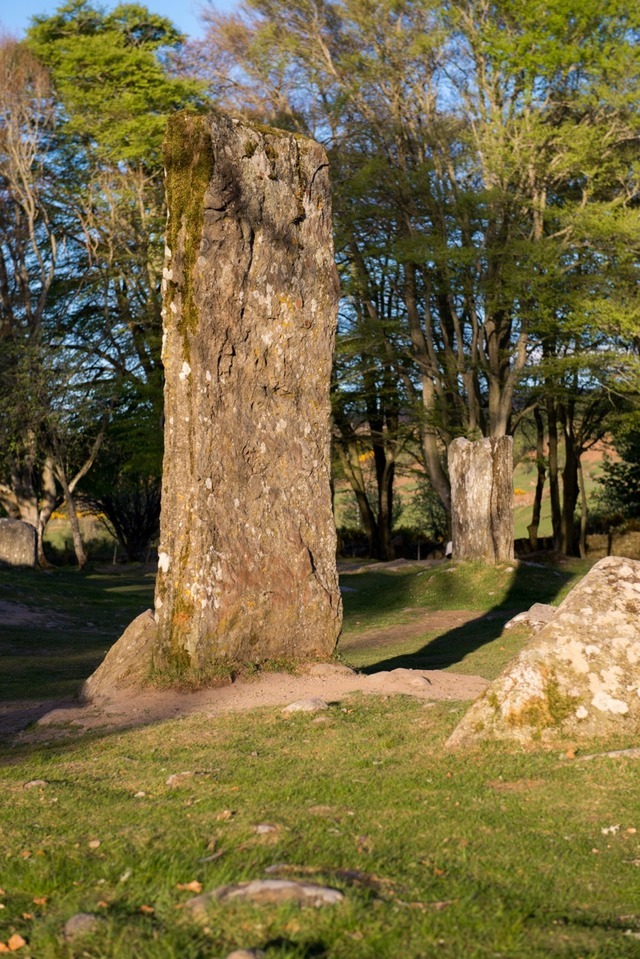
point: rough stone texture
(266, 892)
(534, 618)
(247, 568)
(481, 476)
(82, 924)
(127, 663)
(580, 674)
(17, 543)
(312, 705)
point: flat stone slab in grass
(580, 675)
(311, 705)
(264, 892)
(82, 924)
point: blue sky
(15, 15)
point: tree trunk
(72, 515)
(554, 483)
(583, 511)
(247, 557)
(534, 526)
(353, 472)
(570, 489)
(48, 502)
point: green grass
(386, 599)
(494, 852)
(82, 615)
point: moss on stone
(188, 160)
(548, 711)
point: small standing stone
(534, 618)
(482, 499)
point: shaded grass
(81, 614)
(378, 598)
(386, 599)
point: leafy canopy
(110, 72)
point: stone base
(126, 665)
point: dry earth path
(329, 682)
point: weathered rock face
(17, 543)
(247, 567)
(127, 664)
(481, 476)
(535, 618)
(580, 674)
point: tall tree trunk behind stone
(247, 568)
(48, 502)
(554, 473)
(570, 487)
(534, 526)
(72, 516)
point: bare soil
(329, 682)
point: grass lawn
(494, 852)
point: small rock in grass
(264, 828)
(535, 617)
(312, 705)
(246, 954)
(82, 924)
(35, 784)
(178, 778)
(266, 892)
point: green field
(499, 851)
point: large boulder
(17, 543)
(580, 675)
(127, 665)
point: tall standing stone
(481, 476)
(247, 568)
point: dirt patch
(16, 614)
(330, 682)
(327, 681)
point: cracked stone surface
(482, 499)
(247, 568)
(579, 675)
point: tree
(619, 497)
(492, 144)
(112, 77)
(82, 111)
(126, 483)
(30, 245)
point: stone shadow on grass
(456, 644)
